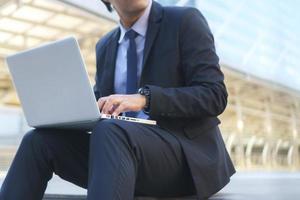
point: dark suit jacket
(187, 90)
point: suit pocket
(198, 127)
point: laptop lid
(53, 85)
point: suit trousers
(118, 160)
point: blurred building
(257, 43)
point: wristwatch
(145, 91)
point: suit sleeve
(204, 94)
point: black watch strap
(147, 93)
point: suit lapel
(152, 31)
(107, 83)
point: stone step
(64, 197)
(81, 197)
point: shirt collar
(140, 26)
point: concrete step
(81, 197)
(243, 186)
(64, 197)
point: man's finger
(101, 103)
(106, 107)
(121, 108)
(109, 105)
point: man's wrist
(143, 100)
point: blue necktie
(132, 82)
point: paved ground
(243, 186)
(262, 186)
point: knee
(103, 127)
(31, 138)
(106, 130)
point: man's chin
(135, 11)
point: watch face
(140, 90)
(144, 91)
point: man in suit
(160, 63)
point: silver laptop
(53, 87)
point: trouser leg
(42, 152)
(125, 159)
(129, 159)
(111, 167)
(29, 173)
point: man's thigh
(68, 153)
(161, 166)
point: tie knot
(131, 34)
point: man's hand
(116, 104)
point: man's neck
(128, 22)
(128, 19)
